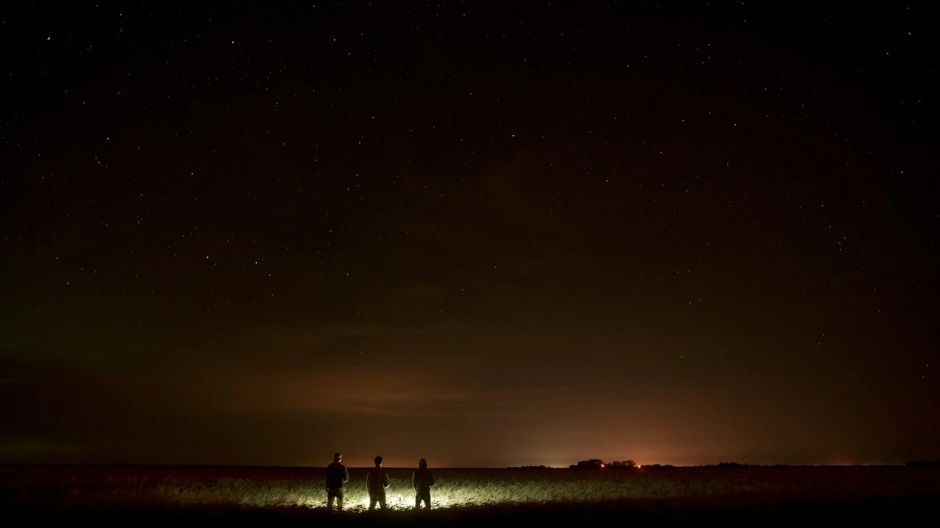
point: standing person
(377, 482)
(421, 481)
(337, 475)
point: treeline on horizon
(598, 464)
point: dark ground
(894, 511)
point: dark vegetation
(893, 511)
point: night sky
(486, 234)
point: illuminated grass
(298, 488)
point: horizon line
(718, 465)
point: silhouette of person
(421, 481)
(377, 482)
(337, 475)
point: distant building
(594, 463)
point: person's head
(378, 460)
(337, 457)
(422, 464)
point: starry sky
(486, 234)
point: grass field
(468, 496)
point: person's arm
(386, 481)
(345, 475)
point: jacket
(337, 475)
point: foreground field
(467, 496)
